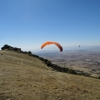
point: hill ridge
(47, 62)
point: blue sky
(29, 23)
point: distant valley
(84, 60)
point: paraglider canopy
(57, 44)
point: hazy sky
(29, 23)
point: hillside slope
(23, 77)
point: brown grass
(27, 78)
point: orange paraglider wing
(57, 44)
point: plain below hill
(24, 77)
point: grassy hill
(24, 77)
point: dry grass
(27, 78)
